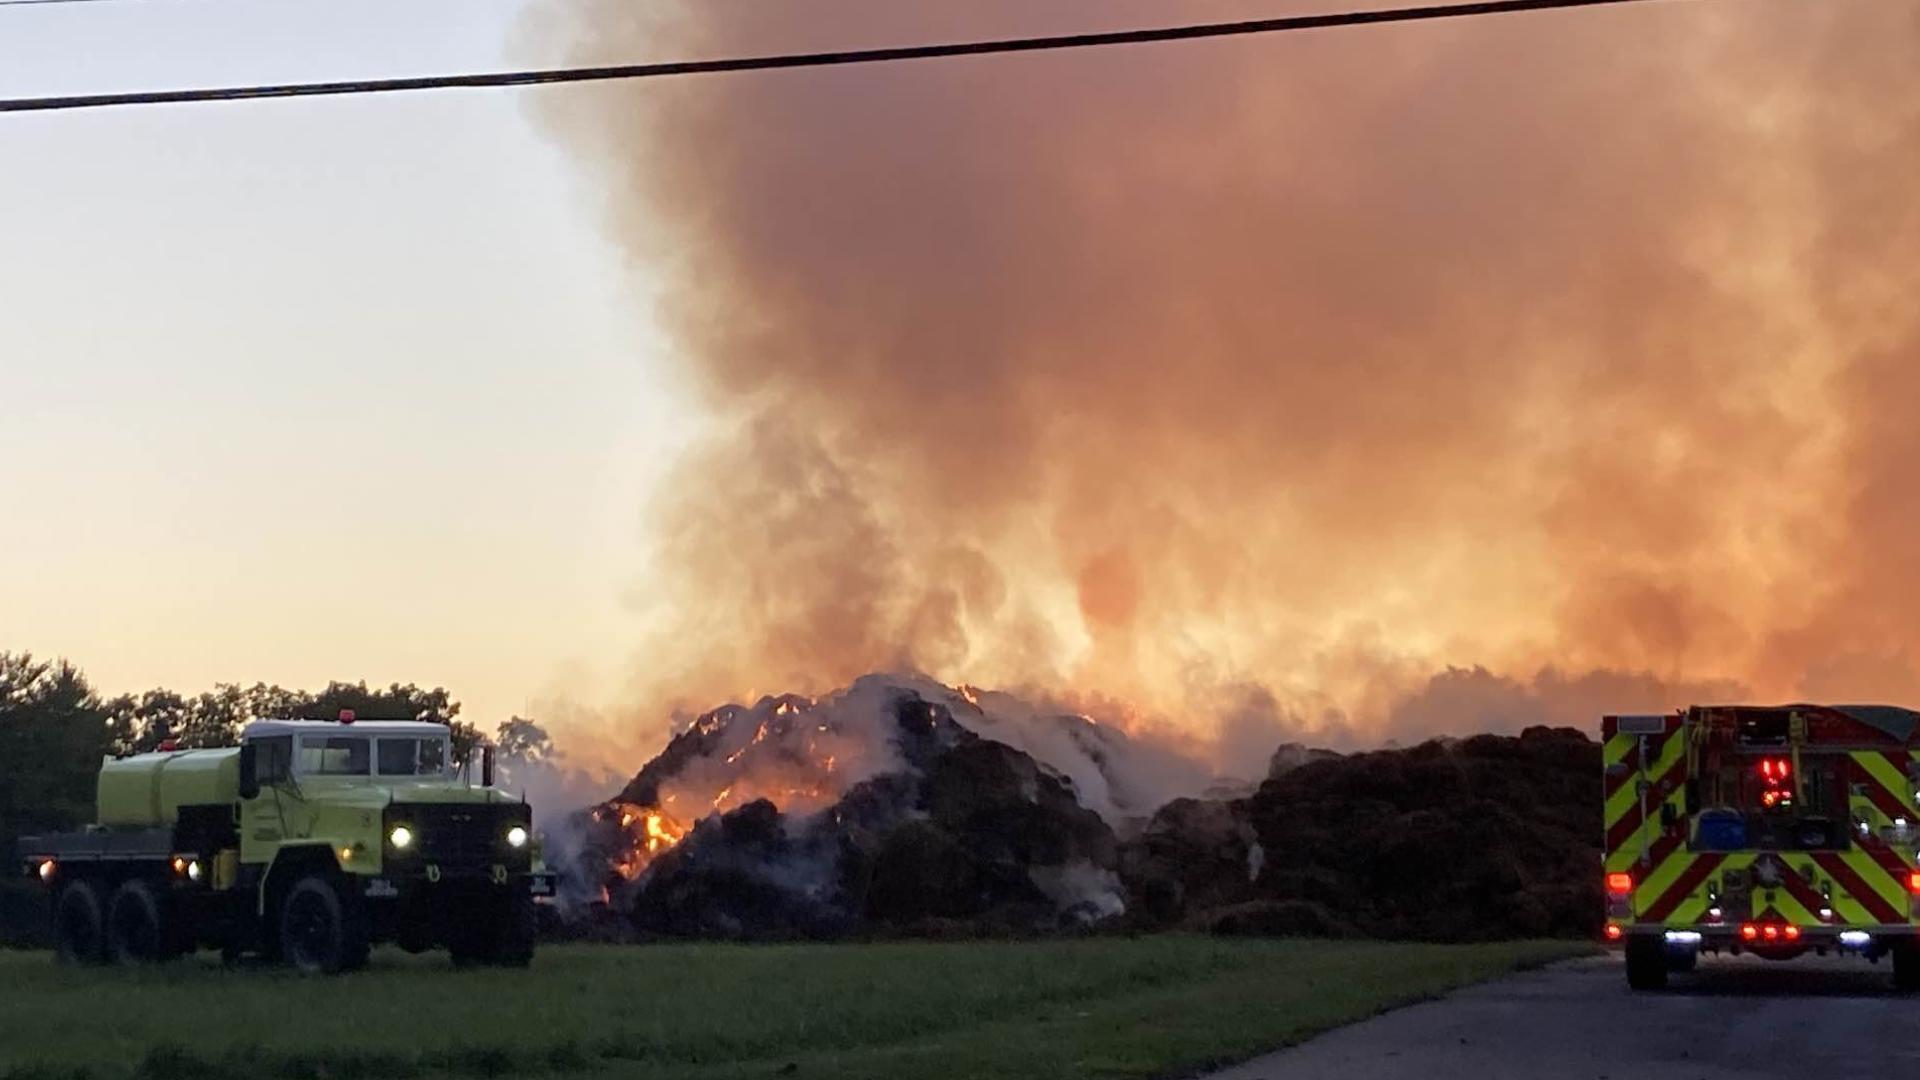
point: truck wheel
(322, 931)
(1906, 966)
(514, 947)
(79, 930)
(1646, 962)
(137, 929)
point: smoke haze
(1237, 388)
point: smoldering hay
(1350, 385)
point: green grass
(1103, 1008)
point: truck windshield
(413, 757)
(333, 755)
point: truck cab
(308, 842)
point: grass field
(1147, 1007)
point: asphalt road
(1734, 1017)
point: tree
(53, 733)
(54, 729)
(525, 748)
(142, 723)
(397, 702)
(524, 742)
(214, 718)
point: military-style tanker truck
(307, 843)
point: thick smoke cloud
(1249, 384)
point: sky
(1344, 386)
(293, 392)
(1339, 385)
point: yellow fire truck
(308, 842)
(1775, 831)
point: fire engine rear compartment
(1770, 830)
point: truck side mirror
(486, 766)
(249, 771)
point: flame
(662, 832)
(644, 832)
(798, 754)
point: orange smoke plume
(1249, 384)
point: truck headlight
(401, 837)
(517, 837)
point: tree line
(55, 728)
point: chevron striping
(1856, 900)
(1670, 890)
(1884, 782)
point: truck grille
(459, 836)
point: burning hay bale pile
(1482, 838)
(872, 810)
(899, 805)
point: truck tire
(138, 927)
(518, 927)
(1646, 962)
(322, 928)
(1906, 966)
(79, 927)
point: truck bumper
(419, 914)
(1774, 940)
(538, 883)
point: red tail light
(1793, 933)
(1622, 884)
(1913, 883)
(1770, 932)
(1614, 933)
(1749, 932)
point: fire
(799, 754)
(797, 769)
(644, 832)
(662, 832)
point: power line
(804, 60)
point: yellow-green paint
(1627, 856)
(330, 817)
(149, 789)
(1652, 883)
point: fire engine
(308, 842)
(1775, 831)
